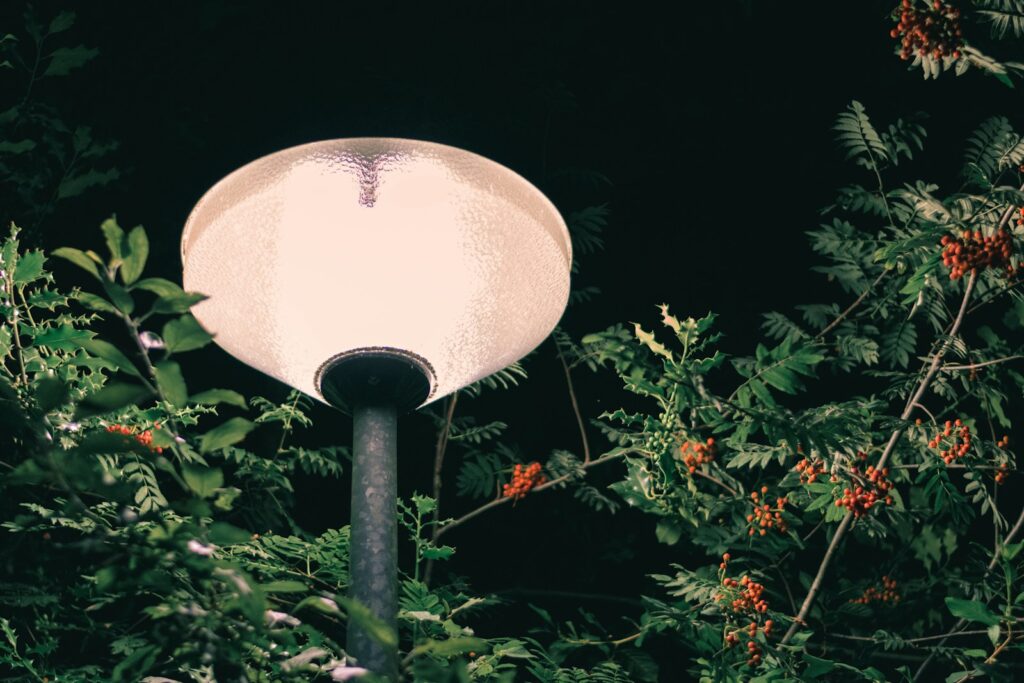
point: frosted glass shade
(333, 248)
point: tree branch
(908, 409)
(502, 501)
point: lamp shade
(377, 245)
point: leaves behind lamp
(381, 274)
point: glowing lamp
(329, 251)
(381, 274)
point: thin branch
(908, 409)
(974, 366)
(923, 639)
(443, 435)
(502, 501)
(716, 480)
(575, 405)
(849, 309)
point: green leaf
(439, 553)
(114, 236)
(95, 303)
(110, 353)
(450, 647)
(185, 334)
(817, 667)
(377, 629)
(215, 396)
(17, 147)
(283, 587)
(135, 259)
(77, 183)
(223, 533)
(159, 286)
(820, 502)
(63, 338)
(971, 610)
(177, 303)
(29, 268)
(80, 259)
(227, 434)
(171, 383)
(119, 296)
(62, 22)
(112, 397)
(668, 531)
(204, 481)
(64, 60)
(50, 393)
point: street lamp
(379, 274)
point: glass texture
(334, 246)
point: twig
(973, 366)
(716, 480)
(439, 451)
(575, 405)
(908, 409)
(501, 501)
(849, 309)
(923, 639)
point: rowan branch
(441, 529)
(908, 409)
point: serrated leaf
(110, 353)
(29, 268)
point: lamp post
(379, 274)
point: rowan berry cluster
(954, 441)
(1002, 473)
(145, 438)
(765, 515)
(810, 470)
(696, 453)
(933, 30)
(887, 593)
(860, 500)
(973, 251)
(743, 595)
(753, 649)
(523, 480)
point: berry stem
(614, 455)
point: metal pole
(373, 568)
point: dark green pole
(373, 568)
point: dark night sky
(712, 121)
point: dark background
(711, 121)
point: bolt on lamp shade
(344, 247)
